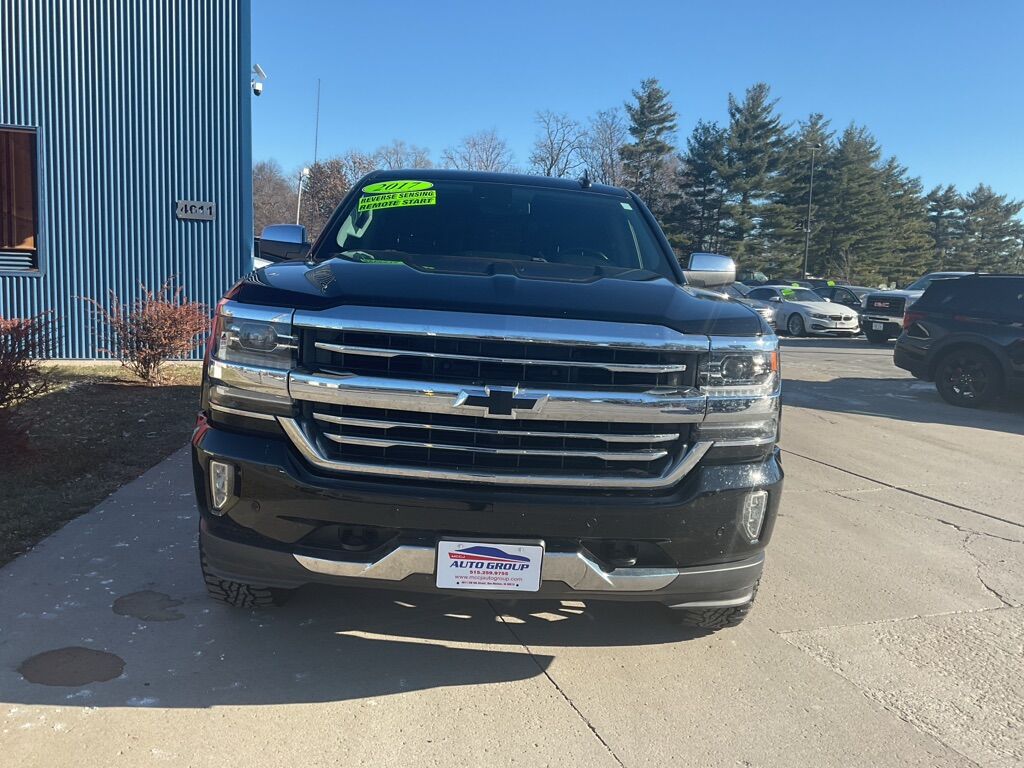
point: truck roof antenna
(585, 179)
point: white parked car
(800, 311)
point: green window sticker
(787, 291)
(400, 185)
(376, 202)
(795, 285)
(831, 283)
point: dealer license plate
(877, 327)
(488, 565)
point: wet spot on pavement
(148, 606)
(71, 666)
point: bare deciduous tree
(328, 182)
(273, 195)
(481, 151)
(398, 154)
(606, 134)
(558, 149)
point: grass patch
(99, 429)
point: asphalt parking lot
(889, 629)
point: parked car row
(962, 330)
(800, 311)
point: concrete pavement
(888, 629)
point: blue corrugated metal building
(125, 153)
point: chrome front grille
(495, 361)
(431, 395)
(887, 306)
(447, 441)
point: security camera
(257, 88)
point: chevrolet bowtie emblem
(499, 401)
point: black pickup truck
(492, 385)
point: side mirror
(775, 299)
(283, 242)
(710, 270)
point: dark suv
(967, 336)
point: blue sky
(940, 84)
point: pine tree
(697, 218)
(993, 234)
(853, 215)
(909, 242)
(755, 151)
(647, 160)
(946, 227)
(812, 139)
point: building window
(18, 206)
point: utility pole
(316, 130)
(298, 206)
(810, 196)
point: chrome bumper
(573, 569)
(889, 319)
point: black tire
(239, 595)
(968, 377)
(795, 325)
(876, 337)
(714, 618)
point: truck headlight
(253, 336)
(739, 368)
(740, 378)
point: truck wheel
(714, 618)
(795, 326)
(876, 337)
(968, 377)
(239, 595)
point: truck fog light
(222, 484)
(754, 506)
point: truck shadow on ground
(856, 344)
(901, 399)
(337, 645)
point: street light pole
(298, 206)
(810, 196)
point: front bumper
(814, 325)
(890, 325)
(565, 575)
(279, 529)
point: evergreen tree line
(742, 189)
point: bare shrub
(24, 341)
(158, 326)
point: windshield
(922, 284)
(423, 221)
(800, 294)
(735, 290)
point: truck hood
(538, 290)
(909, 295)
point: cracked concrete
(888, 630)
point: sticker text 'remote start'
(398, 200)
